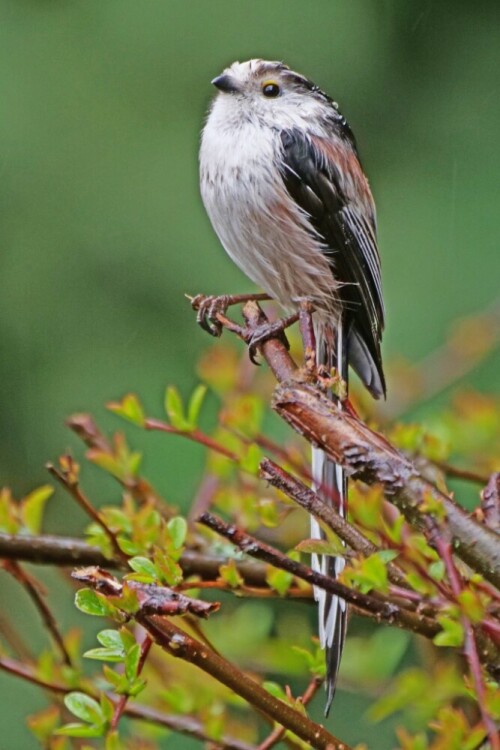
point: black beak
(225, 83)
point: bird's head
(269, 91)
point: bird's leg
(209, 307)
(306, 324)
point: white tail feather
(330, 484)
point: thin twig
(195, 435)
(278, 732)
(372, 605)
(71, 485)
(309, 500)
(470, 646)
(85, 427)
(465, 474)
(32, 588)
(122, 702)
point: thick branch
(367, 455)
(179, 644)
(66, 551)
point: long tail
(330, 482)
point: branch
(177, 642)
(48, 549)
(32, 588)
(368, 456)
(371, 605)
(187, 725)
(68, 478)
(181, 645)
(309, 500)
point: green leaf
(452, 633)
(170, 572)
(177, 528)
(331, 546)
(127, 545)
(178, 699)
(275, 690)
(394, 531)
(9, 522)
(81, 730)
(114, 679)
(136, 687)
(144, 566)
(110, 639)
(229, 573)
(132, 661)
(472, 606)
(250, 461)
(370, 573)
(268, 512)
(279, 580)
(315, 660)
(195, 404)
(437, 570)
(113, 741)
(92, 603)
(175, 409)
(84, 707)
(105, 654)
(387, 555)
(129, 408)
(32, 507)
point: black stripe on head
(266, 68)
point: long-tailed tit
(284, 189)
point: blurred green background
(104, 231)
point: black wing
(324, 177)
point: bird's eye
(271, 89)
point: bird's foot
(211, 309)
(276, 330)
(306, 309)
(207, 308)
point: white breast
(261, 228)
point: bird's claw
(262, 334)
(207, 308)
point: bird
(283, 186)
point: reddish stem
(196, 435)
(120, 706)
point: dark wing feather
(325, 178)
